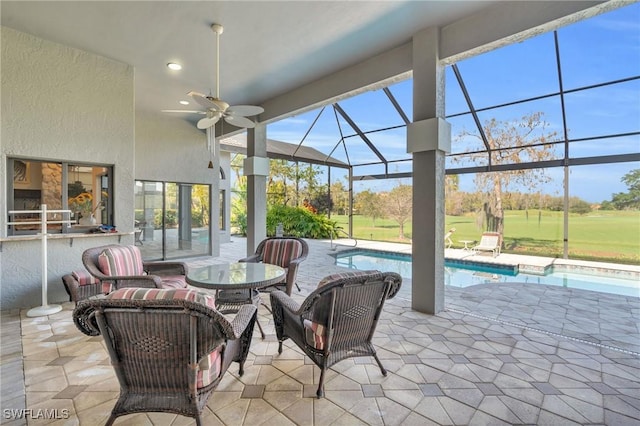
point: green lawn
(603, 235)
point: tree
(453, 199)
(339, 197)
(368, 204)
(576, 205)
(280, 181)
(631, 199)
(239, 197)
(510, 142)
(321, 200)
(200, 205)
(398, 204)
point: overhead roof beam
(364, 137)
(472, 109)
(510, 22)
(396, 105)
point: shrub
(239, 222)
(299, 222)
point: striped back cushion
(137, 293)
(281, 252)
(84, 277)
(121, 261)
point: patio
(499, 354)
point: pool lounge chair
(490, 241)
(447, 237)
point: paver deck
(498, 354)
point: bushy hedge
(299, 222)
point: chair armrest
(242, 319)
(165, 268)
(121, 281)
(395, 282)
(72, 287)
(280, 298)
(254, 258)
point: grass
(604, 235)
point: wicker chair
(81, 285)
(122, 266)
(169, 348)
(337, 320)
(286, 252)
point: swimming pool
(464, 273)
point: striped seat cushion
(210, 365)
(173, 281)
(209, 368)
(281, 252)
(121, 261)
(315, 334)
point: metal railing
(334, 247)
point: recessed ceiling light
(184, 102)
(174, 66)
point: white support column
(256, 168)
(428, 138)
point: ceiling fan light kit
(216, 108)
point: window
(83, 189)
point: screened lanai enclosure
(545, 148)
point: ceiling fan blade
(245, 110)
(203, 100)
(184, 110)
(207, 122)
(239, 121)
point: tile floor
(499, 354)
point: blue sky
(594, 51)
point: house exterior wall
(168, 148)
(63, 104)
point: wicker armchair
(122, 266)
(81, 285)
(338, 319)
(286, 252)
(169, 348)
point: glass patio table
(236, 284)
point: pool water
(465, 274)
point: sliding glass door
(172, 219)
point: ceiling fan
(216, 108)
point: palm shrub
(299, 222)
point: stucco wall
(169, 148)
(61, 104)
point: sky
(595, 51)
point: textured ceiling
(268, 48)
